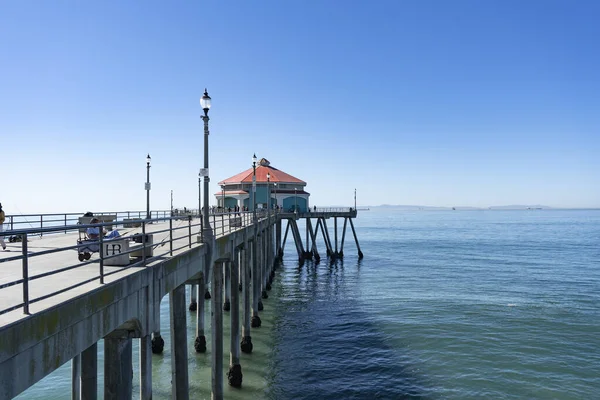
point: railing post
(41, 225)
(25, 274)
(12, 223)
(171, 237)
(65, 222)
(101, 254)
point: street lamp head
(148, 159)
(268, 177)
(254, 159)
(205, 102)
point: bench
(101, 218)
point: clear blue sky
(440, 103)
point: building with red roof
(286, 190)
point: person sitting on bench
(93, 233)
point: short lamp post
(275, 194)
(148, 159)
(269, 193)
(205, 103)
(296, 200)
(223, 196)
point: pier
(59, 297)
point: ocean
(444, 305)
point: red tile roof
(261, 176)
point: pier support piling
(146, 368)
(255, 322)
(179, 360)
(76, 377)
(89, 373)
(193, 297)
(217, 332)
(118, 371)
(228, 290)
(246, 344)
(235, 369)
(200, 341)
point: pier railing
(33, 221)
(21, 274)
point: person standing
(2, 218)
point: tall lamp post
(354, 199)
(296, 200)
(199, 193)
(205, 103)
(148, 159)
(275, 193)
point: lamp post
(148, 159)
(275, 193)
(269, 193)
(171, 202)
(199, 194)
(355, 199)
(296, 200)
(205, 103)
(223, 196)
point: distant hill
(463, 208)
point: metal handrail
(221, 224)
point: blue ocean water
(444, 305)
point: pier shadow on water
(326, 344)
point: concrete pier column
(255, 322)
(235, 369)
(118, 370)
(179, 359)
(146, 368)
(217, 332)
(240, 270)
(335, 235)
(246, 345)
(89, 373)
(264, 276)
(278, 239)
(200, 342)
(193, 298)
(76, 377)
(268, 266)
(228, 290)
